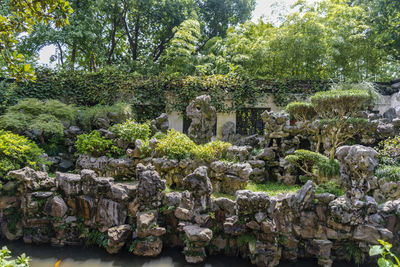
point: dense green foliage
(329, 39)
(348, 40)
(387, 258)
(389, 151)
(330, 187)
(6, 261)
(132, 33)
(272, 189)
(150, 95)
(44, 119)
(314, 165)
(389, 159)
(17, 17)
(96, 145)
(334, 114)
(176, 145)
(301, 111)
(17, 152)
(211, 151)
(388, 172)
(115, 113)
(130, 131)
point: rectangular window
(249, 121)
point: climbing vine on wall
(151, 95)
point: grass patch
(219, 194)
(272, 189)
(170, 190)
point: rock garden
(322, 182)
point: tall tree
(19, 16)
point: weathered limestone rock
(240, 153)
(135, 153)
(148, 234)
(198, 238)
(228, 131)
(230, 177)
(147, 225)
(200, 187)
(108, 167)
(69, 183)
(150, 187)
(160, 124)
(264, 254)
(31, 179)
(204, 118)
(248, 202)
(55, 207)
(110, 213)
(357, 164)
(150, 247)
(117, 237)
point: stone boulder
(357, 165)
(150, 187)
(117, 237)
(55, 207)
(32, 180)
(160, 124)
(200, 187)
(204, 118)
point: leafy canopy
(20, 17)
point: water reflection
(47, 256)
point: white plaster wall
(222, 118)
(175, 121)
(389, 101)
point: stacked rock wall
(74, 209)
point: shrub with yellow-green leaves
(17, 152)
(176, 145)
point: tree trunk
(113, 41)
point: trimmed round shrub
(301, 111)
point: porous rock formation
(204, 118)
(66, 209)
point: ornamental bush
(175, 145)
(333, 114)
(301, 111)
(96, 145)
(330, 187)
(211, 151)
(43, 119)
(17, 152)
(130, 131)
(314, 165)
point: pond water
(47, 256)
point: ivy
(151, 95)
